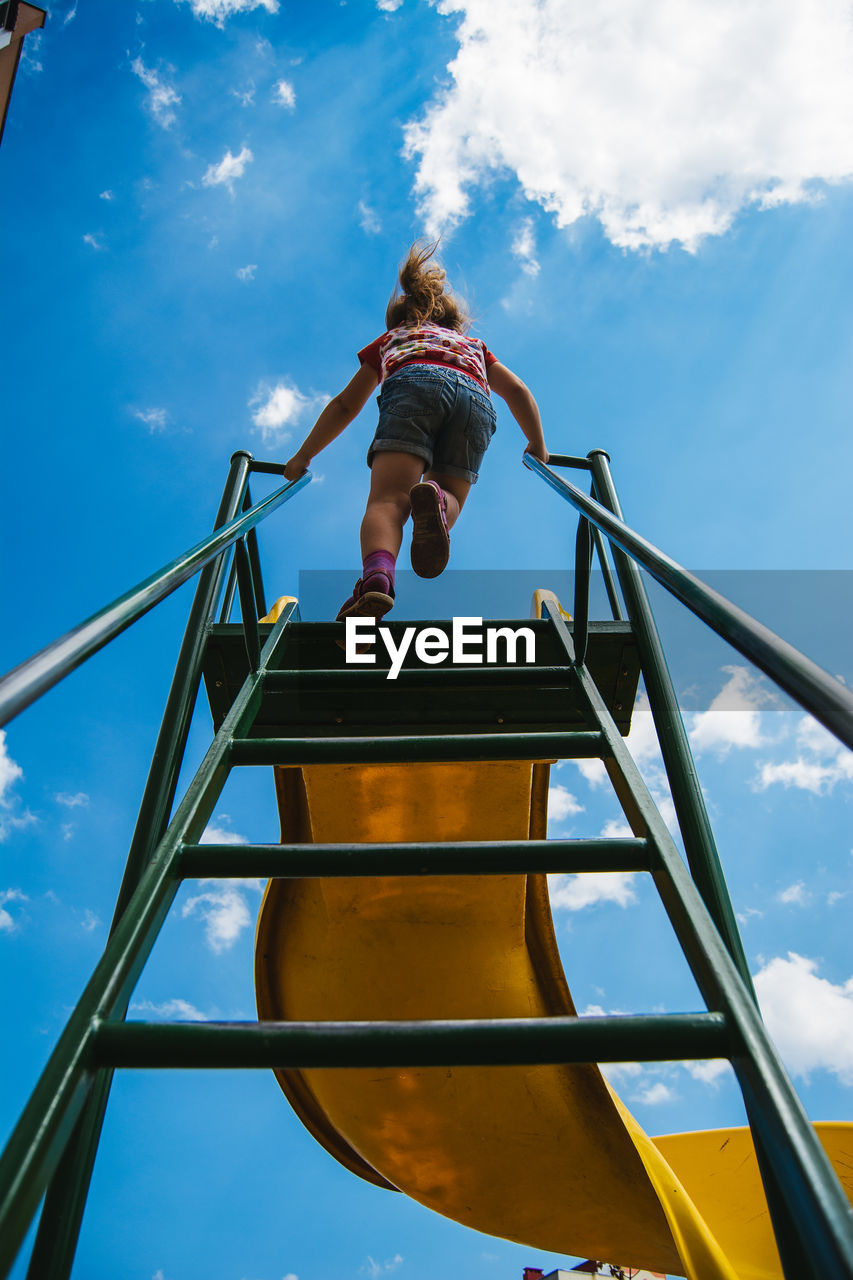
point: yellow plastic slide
(546, 1156)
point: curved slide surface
(546, 1155)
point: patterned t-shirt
(428, 344)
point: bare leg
(391, 477)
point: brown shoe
(371, 603)
(430, 538)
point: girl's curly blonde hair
(423, 294)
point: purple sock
(379, 562)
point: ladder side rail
(694, 822)
(231, 584)
(61, 1215)
(248, 604)
(689, 802)
(33, 677)
(257, 572)
(616, 612)
(824, 697)
(161, 784)
(583, 572)
(261, 468)
(812, 1218)
(45, 1126)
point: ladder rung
(485, 677)
(468, 1042)
(495, 857)
(430, 748)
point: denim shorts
(439, 415)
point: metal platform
(316, 692)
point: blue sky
(648, 210)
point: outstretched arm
(337, 415)
(521, 405)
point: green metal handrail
(814, 689)
(28, 681)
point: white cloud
(214, 834)
(229, 169)
(279, 406)
(655, 1094)
(822, 762)
(7, 922)
(176, 1008)
(162, 98)
(733, 718)
(247, 272)
(106, 195)
(368, 219)
(154, 419)
(835, 896)
(224, 910)
(662, 120)
(710, 1072)
(29, 50)
(388, 6)
(370, 1267)
(10, 770)
(813, 737)
(70, 15)
(594, 772)
(616, 829)
(642, 741)
(218, 11)
(12, 818)
(809, 1018)
(574, 893)
(67, 830)
(284, 94)
(795, 895)
(620, 1074)
(524, 248)
(76, 801)
(562, 804)
(748, 914)
(93, 241)
(245, 96)
(291, 1275)
(802, 774)
(222, 906)
(90, 920)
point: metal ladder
(52, 1149)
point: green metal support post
(62, 1213)
(36, 1145)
